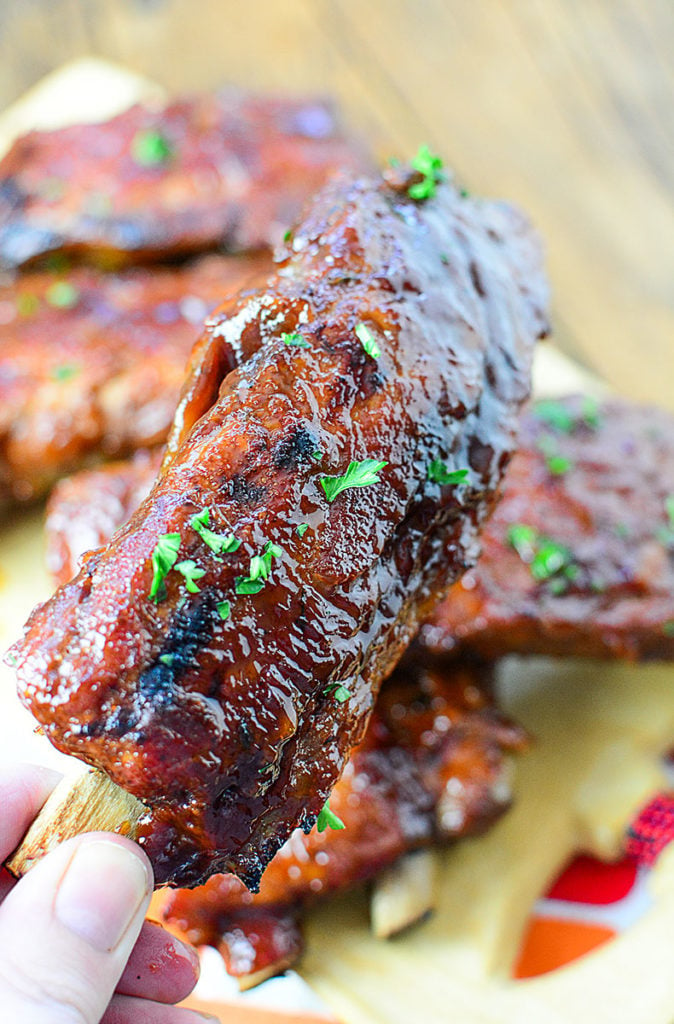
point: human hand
(73, 945)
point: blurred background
(565, 106)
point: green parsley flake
(550, 557)
(224, 609)
(367, 340)
(555, 414)
(590, 413)
(62, 294)
(302, 529)
(191, 572)
(244, 585)
(430, 165)
(163, 559)
(358, 474)
(546, 558)
(317, 455)
(558, 465)
(260, 568)
(295, 340)
(339, 692)
(523, 539)
(151, 148)
(166, 659)
(668, 628)
(287, 235)
(328, 819)
(220, 543)
(439, 474)
(64, 372)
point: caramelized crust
(91, 365)
(220, 170)
(432, 767)
(600, 487)
(608, 509)
(229, 729)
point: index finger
(23, 790)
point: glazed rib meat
(598, 488)
(213, 701)
(220, 170)
(578, 558)
(91, 365)
(433, 766)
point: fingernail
(101, 893)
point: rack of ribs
(313, 506)
(224, 170)
(432, 767)
(91, 364)
(578, 558)
(591, 484)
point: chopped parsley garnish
(557, 464)
(167, 659)
(62, 294)
(288, 235)
(260, 568)
(151, 148)
(523, 539)
(191, 573)
(317, 455)
(550, 557)
(328, 819)
(555, 414)
(590, 413)
(358, 474)
(546, 558)
(224, 609)
(163, 559)
(302, 529)
(668, 628)
(244, 585)
(339, 692)
(439, 474)
(295, 340)
(220, 543)
(367, 340)
(430, 166)
(64, 372)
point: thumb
(68, 928)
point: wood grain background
(566, 106)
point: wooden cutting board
(600, 731)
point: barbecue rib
(578, 558)
(432, 766)
(91, 365)
(220, 170)
(597, 485)
(217, 707)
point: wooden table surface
(566, 106)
